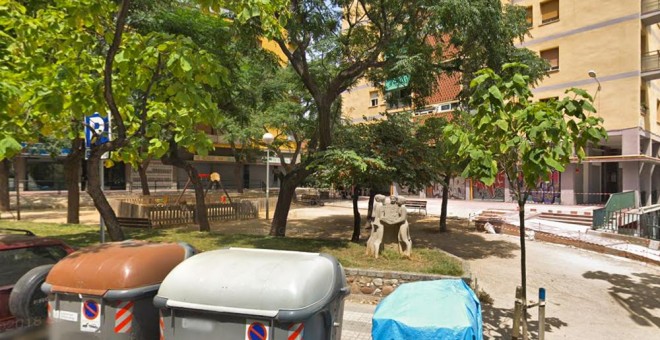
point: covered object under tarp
(443, 309)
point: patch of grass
(349, 254)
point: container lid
(116, 267)
(284, 285)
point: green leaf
(554, 163)
(9, 147)
(495, 92)
(185, 65)
(502, 125)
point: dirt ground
(589, 295)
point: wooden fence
(176, 214)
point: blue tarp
(443, 309)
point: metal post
(541, 313)
(18, 199)
(267, 179)
(101, 222)
(517, 312)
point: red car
(25, 260)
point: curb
(556, 239)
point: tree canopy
(525, 139)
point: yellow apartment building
(607, 47)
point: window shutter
(550, 11)
(552, 56)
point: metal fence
(639, 223)
(603, 217)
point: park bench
(134, 222)
(310, 199)
(417, 204)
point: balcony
(650, 12)
(651, 65)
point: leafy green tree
(333, 44)
(351, 164)
(56, 68)
(446, 162)
(291, 116)
(526, 139)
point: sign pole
(267, 179)
(101, 222)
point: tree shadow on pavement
(498, 321)
(638, 294)
(459, 240)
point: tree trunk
(238, 176)
(172, 158)
(284, 198)
(445, 200)
(144, 181)
(325, 121)
(100, 201)
(288, 185)
(4, 184)
(200, 204)
(356, 216)
(372, 195)
(72, 169)
(523, 266)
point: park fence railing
(162, 215)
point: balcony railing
(651, 65)
(650, 6)
(650, 12)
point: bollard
(541, 313)
(516, 314)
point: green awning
(397, 83)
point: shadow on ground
(638, 294)
(497, 323)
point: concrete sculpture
(390, 219)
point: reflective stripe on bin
(296, 331)
(161, 322)
(49, 315)
(124, 317)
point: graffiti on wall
(456, 189)
(548, 192)
(495, 191)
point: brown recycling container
(106, 291)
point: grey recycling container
(253, 294)
(106, 291)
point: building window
(552, 57)
(549, 12)
(398, 99)
(529, 15)
(374, 98)
(448, 107)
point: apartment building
(609, 48)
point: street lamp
(268, 139)
(592, 74)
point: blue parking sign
(101, 126)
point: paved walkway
(357, 321)
(466, 209)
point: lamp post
(592, 74)
(268, 140)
